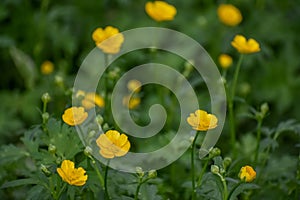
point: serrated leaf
(11, 153)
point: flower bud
(45, 170)
(59, 81)
(226, 162)
(91, 134)
(88, 151)
(58, 160)
(214, 169)
(46, 97)
(188, 67)
(245, 88)
(191, 139)
(214, 152)
(105, 127)
(152, 173)
(264, 108)
(45, 116)
(139, 172)
(99, 119)
(52, 148)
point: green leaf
(25, 65)
(20, 182)
(242, 188)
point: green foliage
(32, 148)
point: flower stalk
(230, 104)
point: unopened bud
(105, 127)
(99, 119)
(91, 134)
(59, 81)
(191, 139)
(214, 152)
(52, 148)
(45, 116)
(46, 97)
(139, 171)
(264, 108)
(88, 151)
(45, 170)
(226, 162)
(152, 173)
(214, 169)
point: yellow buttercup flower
(72, 175)
(202, 121)
(247, 174)
(160, 11)
(74, 116)
(229, 15)
(47, 67)
(132, 102)
(109, 40)
(245, 46)
(225, 61)
(134, 85)
(91, 100)
(112, 144)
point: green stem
(98, 173)
(106, 111)
(230, 104)
(60, 192)
(202, 173)
(258, 136)
(225, 190)
(141, 182)
(105, 181)
(233, 189)
(193, 166)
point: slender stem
(98, 173)
(225, 192)
(193, 166)
(230, 104)
(258, 136)
(105, 181)
(202, 173)
(141, 182)
(106, 111)
(233, 189)
(61, 190)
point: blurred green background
(60, 31)
(32, 31)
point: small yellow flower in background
(245, 46)
(72, 175)
(109, 40)
(47, 67)
(74, 116)
(229, 15)
(225, 61)
(132, 102)
(247, 174)
(91, 100)
(202, 121)
(160, 11)
(112, 144)
(134, 85)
